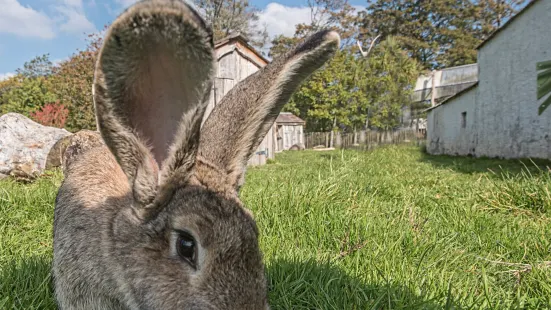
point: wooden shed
(289, 131)
(236, 61)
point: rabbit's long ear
(151, 86)
(240, 121)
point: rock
(25, 144)
(319, 147)
(79, 143)
(75, 144)
(297, 147)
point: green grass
(392, 228)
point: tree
(72, 81)
(393, 74)
(29, 96)
(232, 16)
(336, 15)
(492, 14)
(8, 84)
(437, 33)
(352, 92)
(37, 67)
(281, 44)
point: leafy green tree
(337, 15)
(30, 96)
(8, 84)
(281, 44)
(393, 73)
(353, 92)
(37, 67)
(72, 81)
(231, 16)
(437, 33)
(492, 14)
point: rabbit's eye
(185, 245)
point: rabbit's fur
(123, 206)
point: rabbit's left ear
(151, 86)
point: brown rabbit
(152, 220)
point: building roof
(457, 95)
(507, 23)
(243, 46)
(447, 82)
(289, 118)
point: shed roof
(507, 23)
(289, 118)
(457, 95)
(242, 45)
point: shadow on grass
(473, 165)
(309, 285)
(26, 284)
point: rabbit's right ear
(240, 121)
(151, 86)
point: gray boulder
(25, 145)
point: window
(463, 119)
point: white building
(498, 115)
(447, 82)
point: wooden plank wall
(232, 68)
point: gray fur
(121, 203)
(240, 121)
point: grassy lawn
(386, 229)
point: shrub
(52, 114)
(27, 96)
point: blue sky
(29, 28)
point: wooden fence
(362, 139)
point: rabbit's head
(183, 237)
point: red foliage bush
(52, 114)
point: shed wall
(232, 67)
(289, 135)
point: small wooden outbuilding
(289, 131)
(236, 61)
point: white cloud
(24, 21)
(5, 76)
(74, 20)
(281, 19)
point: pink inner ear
(161, 93)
